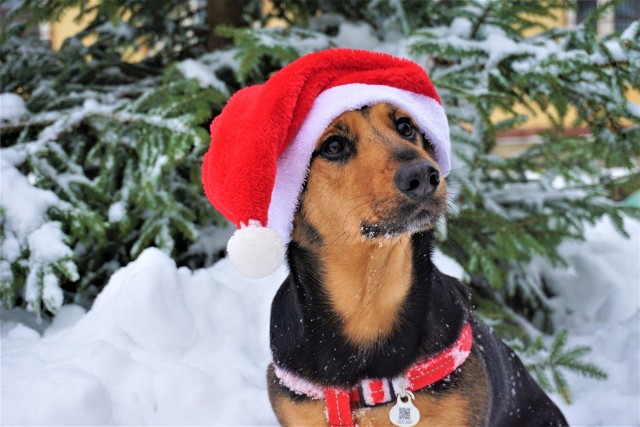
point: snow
(300, 40)
(12, 107)
(117, 211)
(51, 292)
(169, 346)
(615, 50)
(631, 31)
(46, 246)
(25, 205)
(614, 261)
(46, 243)
(66, 317)
(634, 108)
(212, 242)
(160, 346)
(220, 59)
(598, 300)
(359, 35)
(120, 30)
(205, 75)
(448, 266)
(461, 27)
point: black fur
(306, 337)
(515, 399)
(309, 232)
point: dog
(364, 303)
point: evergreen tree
(112, 148)
(503, 211)
(109, 150)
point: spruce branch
(481, 20)
(559, 359)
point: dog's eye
(405, 128)
(334, 148)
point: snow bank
(598, 300)
(167, 346)
(160, 346)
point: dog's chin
(408, 220)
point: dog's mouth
(407, 218)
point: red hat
(261, 143)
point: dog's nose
(417, 180)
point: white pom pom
(256, 251)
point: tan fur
(449, 411)
(366, 279)
(367, 286)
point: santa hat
(262, 141)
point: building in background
(509, 142)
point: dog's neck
(366, 310)
(366, 282)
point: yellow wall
(537, 120)
(67, 27)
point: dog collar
(372, 392)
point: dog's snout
(417, 180)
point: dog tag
(404, 414)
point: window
(617, 19)
(626, 12)
(584, 8)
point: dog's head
(373, 175)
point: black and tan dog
(364, 300)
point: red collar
(371, 392)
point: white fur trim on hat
(293, 164)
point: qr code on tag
(404, 414)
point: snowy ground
(168, 346)
(599, 302)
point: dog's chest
(453, 409)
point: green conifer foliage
(110, 150)
(510, 210)
(504, 212)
